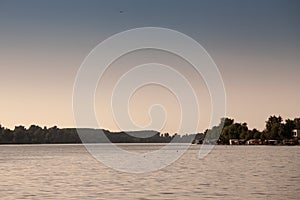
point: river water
(228, 172)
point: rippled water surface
(230, 172)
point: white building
(296, 133)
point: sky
(255, 45)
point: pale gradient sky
(255, 45)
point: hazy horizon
(255, 45)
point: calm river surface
(70, 172)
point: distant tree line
(275, 129)
(38, 135)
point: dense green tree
(297, 123)
(234, 131)
(256, 134)
(20, 136)
(2, 136)
(274, 128)
(1, 130)
(227, 121)
(6, 136)
(214, 133)
(272, 121)
(289, 126)
(243, 130)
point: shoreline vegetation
(276, 132)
